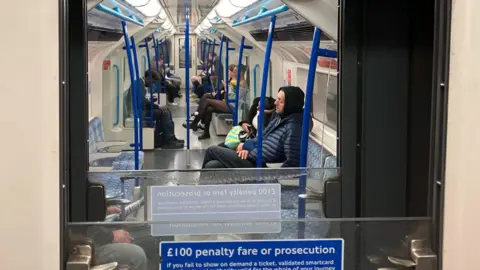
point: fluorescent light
(152, 8)
(137, 3)
(242, 3)
(197, 31)
(226, 9)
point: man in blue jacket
(281, 138)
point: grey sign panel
(199, 210)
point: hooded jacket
(282, 137)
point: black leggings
(210, 105)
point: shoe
(201, 126)
(204, 136)
(173, 103)
(178, 140)
(172, 145)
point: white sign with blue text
(215, 209)
(314, 254)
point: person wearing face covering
(281, 138)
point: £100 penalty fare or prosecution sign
(323, 254)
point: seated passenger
(164, 125)
(209, 106)
(202, 83)
(281, 138)
(248, 128)
(172, 90)
(232, 82)
(133, 250)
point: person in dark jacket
(164, 125)
(281, 138)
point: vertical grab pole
(207, 73)
(209, 79)
(263, 92)
(163, 67)
(219, 63)
(150, 79)
(187, 75)
(306, 119)
(155, 48)
(134, 96)
(227, 49)
(139, 94)
(167, 56)
(237, 87)
(204, 55)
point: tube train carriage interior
(153, 67)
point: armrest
(118, 201)
(96, 156)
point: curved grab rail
(117, 120)
(263, 14)
(117, 14)
(255, 80)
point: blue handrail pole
(219, 63)
(237, 87)
(134, 96)
(255, 80)
(204, 50)
(227, 49)
(117, 120)
(261, 15)
(263, 92)
(150, 80)
(209, 79)
(115, 12)
(139, 93)
(312, 67)
(167, 55)
(163, 67)
(187, 72)
(155, 48)
(207, 73)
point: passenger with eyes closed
(281, 138)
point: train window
(325, 99)
(181, 53)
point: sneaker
(201, 125)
